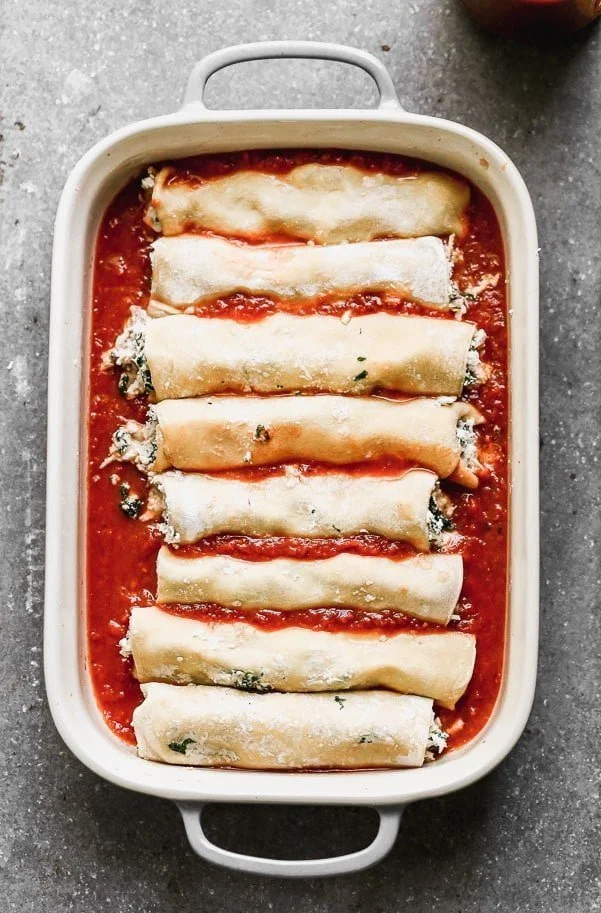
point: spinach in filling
(439, 516)
(181, 747)
(474, 369)
(437, 740)
(250, 681)
(136, 443)
(466, 437)
(128, 353)
(129, 504)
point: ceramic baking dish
(91, 186)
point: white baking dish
(91, 186)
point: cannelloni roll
(182, 651)
(409, 507)
(222, 727)
(192, 269)
(323, 203)
(186, 356)
(226, 432)
(426, 586)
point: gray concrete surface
(527, 837)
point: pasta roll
(190, 270)
(226, 432)
(179, 650)
(207, 727)
(409, 508)
(323, 203)
(185, 356)
(426, 586)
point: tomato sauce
(121, 551)
(253, 307)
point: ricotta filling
(475, 372)
(457, 301)
(148, 181)
(467, 440)
(159, 507)
(128, 353)
(437, 740)
(135, 443)
(438, 517)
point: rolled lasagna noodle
(426, 586)
(191, 269)
(183, 651)
(222, 727)
(323, 203)
(294, 504)
(226, 432)
(194, 356)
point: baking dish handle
(271, 50)
(390, 819)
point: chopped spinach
(129, 504)
(121, 441)
(129, 354)
(145, 377)
(251, 681)
(360, 376)
(153, 449)
(470, 378)
(439, 518)
(339, 700)
(262, 434)
(180, 747)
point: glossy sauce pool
(121, 551)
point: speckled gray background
(526, 838)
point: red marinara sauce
(121, 551)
